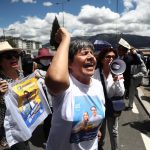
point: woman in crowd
(9, 72)
(114, 87)
(74, 92)
(43, 61)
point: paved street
(134, 129)
(134, 126)
(144, 95)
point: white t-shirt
(68, 130)
(114, 88)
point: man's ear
(70, 64)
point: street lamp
(62, 6)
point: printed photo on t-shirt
(88, 116)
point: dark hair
(76, 45)
(1, 56)
(102, 55)
(26, 92)
(27, 64)
(93, 107)
(122, 47)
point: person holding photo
(9, 72)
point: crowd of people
(79, 87)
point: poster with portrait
(27, 107)
(29, 101)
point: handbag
(118, 103)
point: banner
(27, 107)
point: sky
(32, 19)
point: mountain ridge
(137, 41)
(134, 40)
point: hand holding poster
(27, 107)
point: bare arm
(57, 77)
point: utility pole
(117, 32)
(62, 7)
(4, 32)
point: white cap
(124, 43)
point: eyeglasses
(10, 55)
(110, 56)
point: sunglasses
(110, 56)
(10, 55)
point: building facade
(28, 46)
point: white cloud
(128, 4)
(14, 1)
(24, 1)
(29, 1)
(47, 4)
(137, 21)
(96, 15)
(91, 20)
